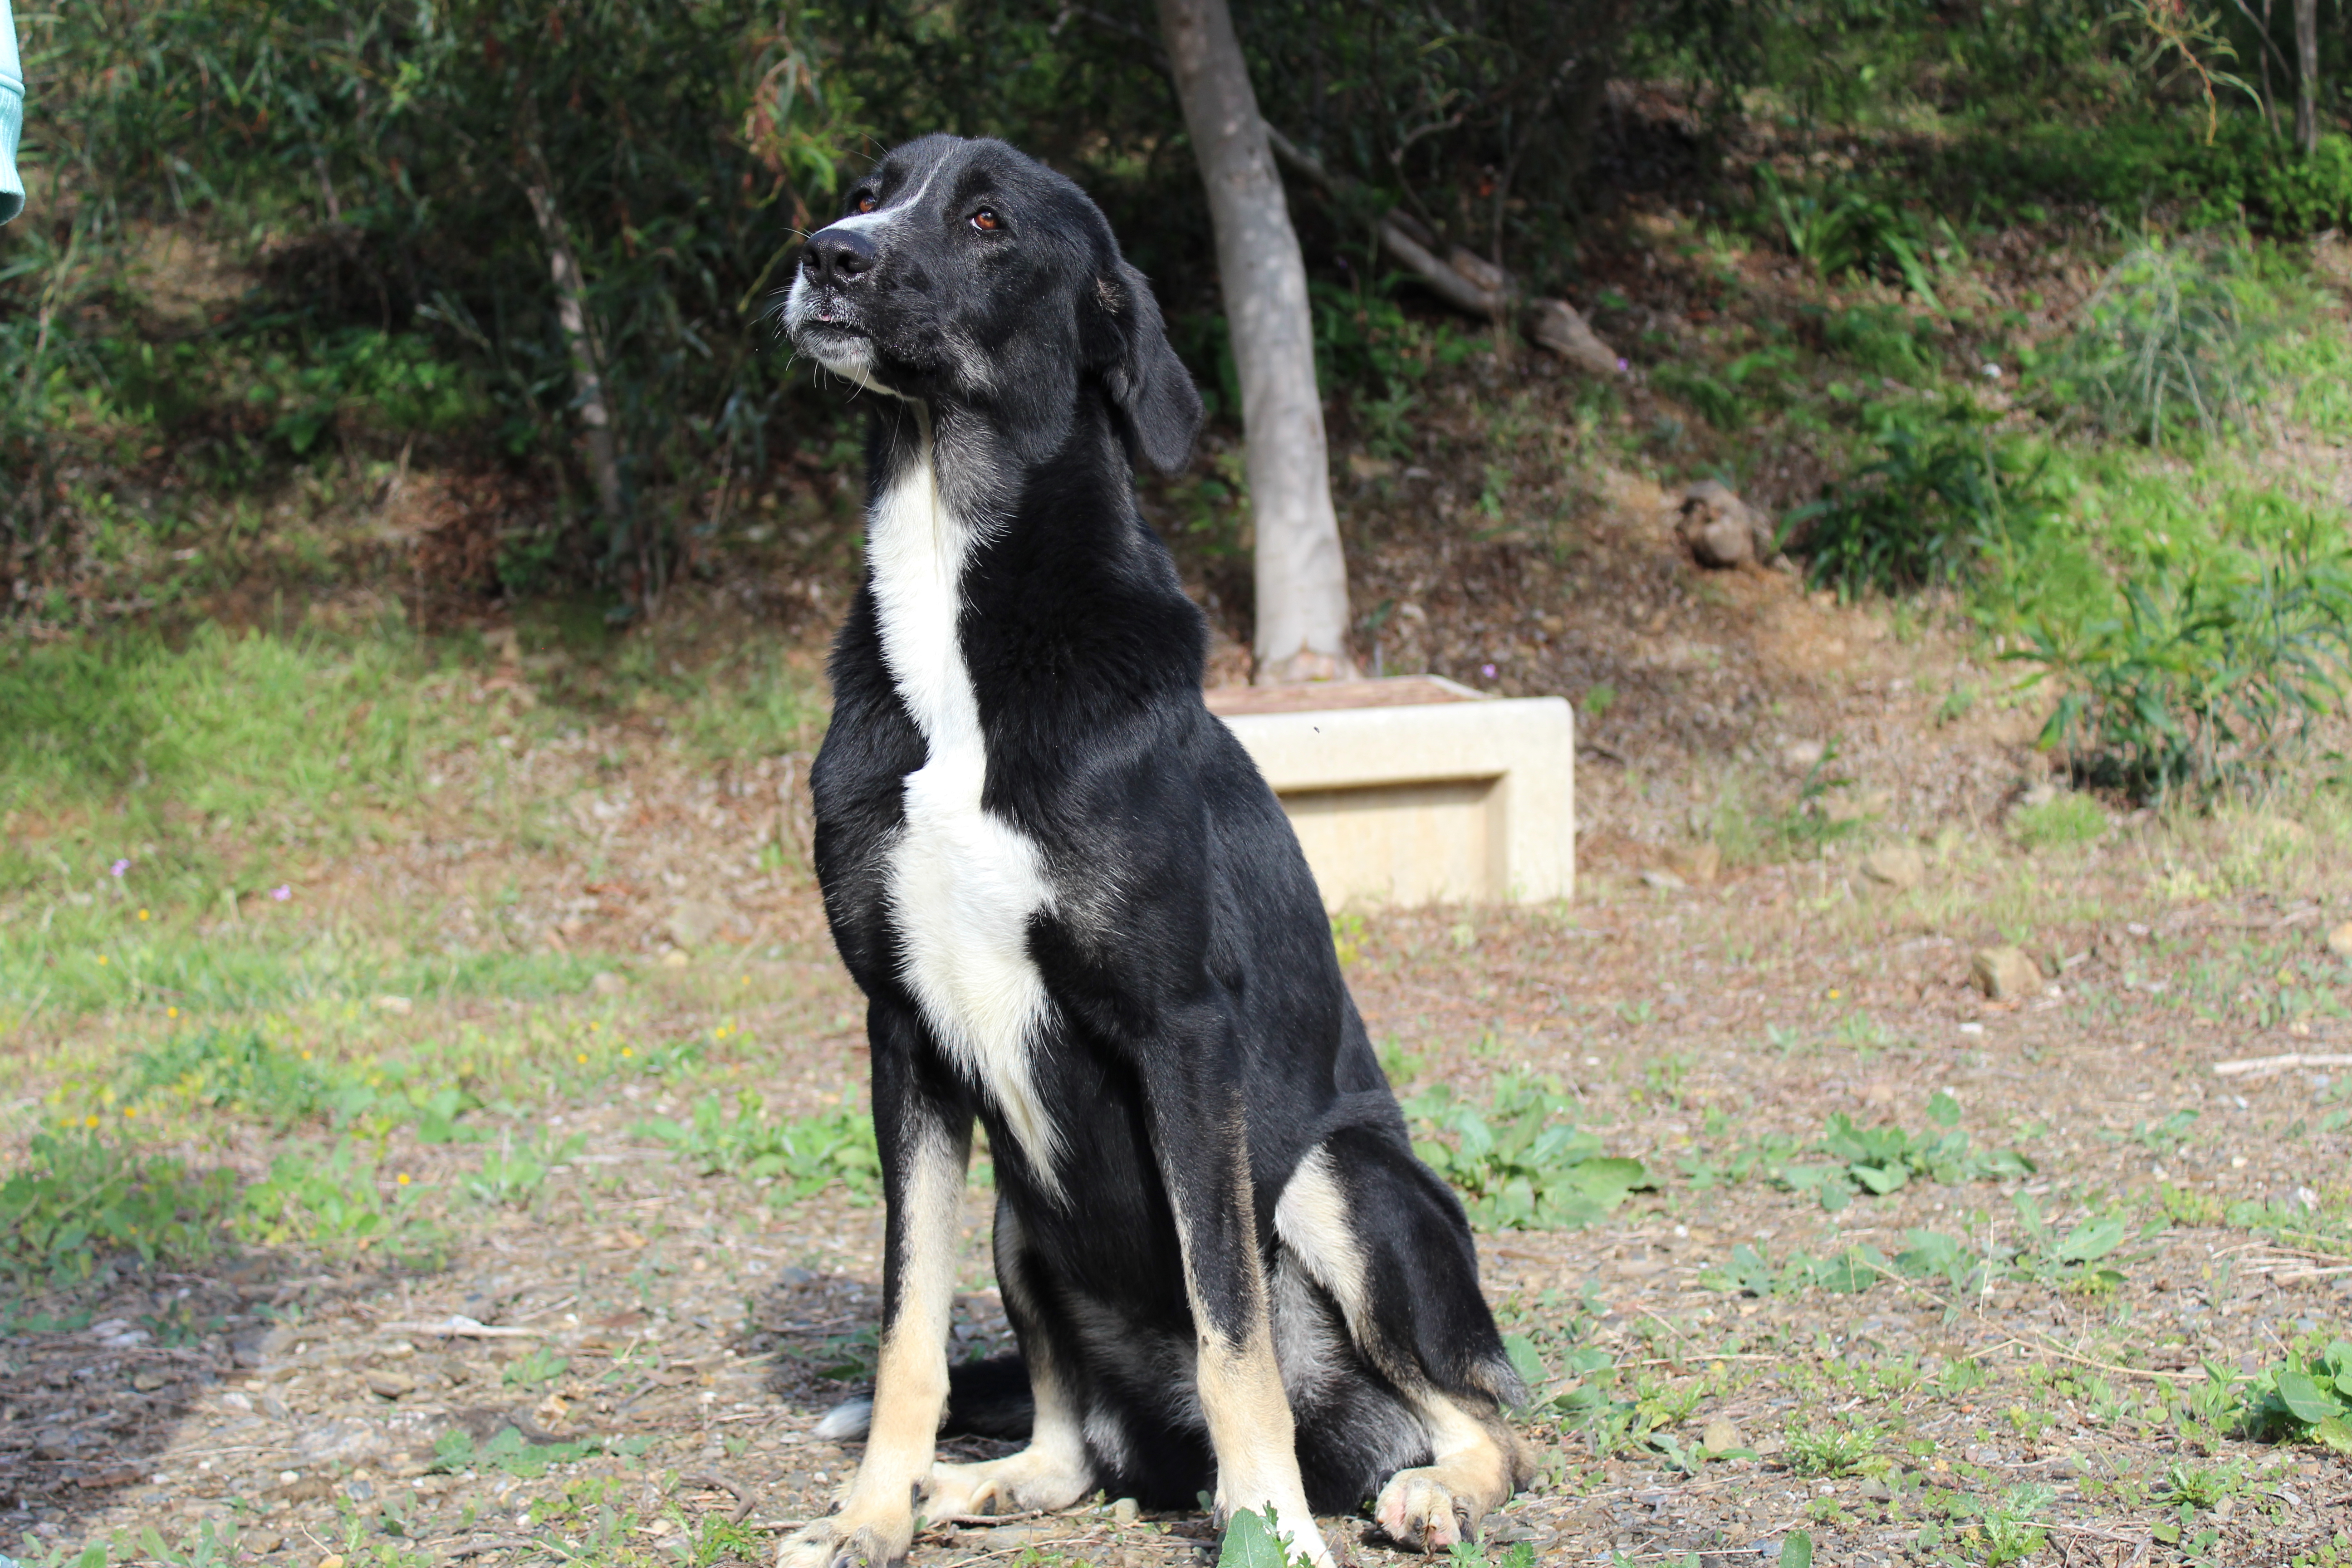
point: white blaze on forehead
(963, 881)
(884, 213)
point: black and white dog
(1078, 914)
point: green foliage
(802, 1155)
(1522, 1162)
(1884, 1159)
(516, 1177)
(1945, 1262)
(2131, 162)
(1854, 232)
(2305, 1398)
(1829, 1450)
(82, 1198)
(1886, 339)
(2214, 677)
(2172, 341)
(338, 1203)
(536, 1370)
(1734, 396)
(1873, 1160)
(1943, 495)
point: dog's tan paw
(1031, 1478)
(1421, 1512)
(833, 1543)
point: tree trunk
(2307, 75)
(1302, 578)
(572, 315)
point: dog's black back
(1076, 910)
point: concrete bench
(1418, 790)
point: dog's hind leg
(1378, 1231)
(925, 1136)
(1054, 1470)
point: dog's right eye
(865, 204)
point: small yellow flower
(171, 1012)
(101, 958)
(747, 980)
(143, 914)
(582, 1058)
(591, 1028)
(89, 1120)
(627, 1052)
(129, 1112)
(402, 1178)
(1835, 992)
(306, 1056)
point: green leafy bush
(1943, 494)
(1522, 1162)
(2128, 165)
(83, 1197)
(2172, 341)
(2214, 676)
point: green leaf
(1943, 1109)
(1525, 1361)
(1251, 1543)
(2092, 1238)
(2336, 1432)
(2302, 1396)
(1797, 1550)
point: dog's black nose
(836, 255)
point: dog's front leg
(924, 1132)
(1201, 1140)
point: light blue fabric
(12, 116)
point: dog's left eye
(986, 221)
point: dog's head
(963, 274)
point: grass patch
(800, 1157)
(2068, 819)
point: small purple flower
(281, 892)
(1487, 670)
(1623, 365)
(119, 867)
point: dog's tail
(986, 1399)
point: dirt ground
(1691, 1002)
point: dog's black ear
(1149, 384)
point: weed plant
(1943, 496)
(1521, 1163)
(2213, 678)
(81, 1198)
(2172, 344)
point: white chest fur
(963, 883)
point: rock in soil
(2339, 941)
(389, 1383)
(1897, 866)
(2006, 973)
(1720, 529)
